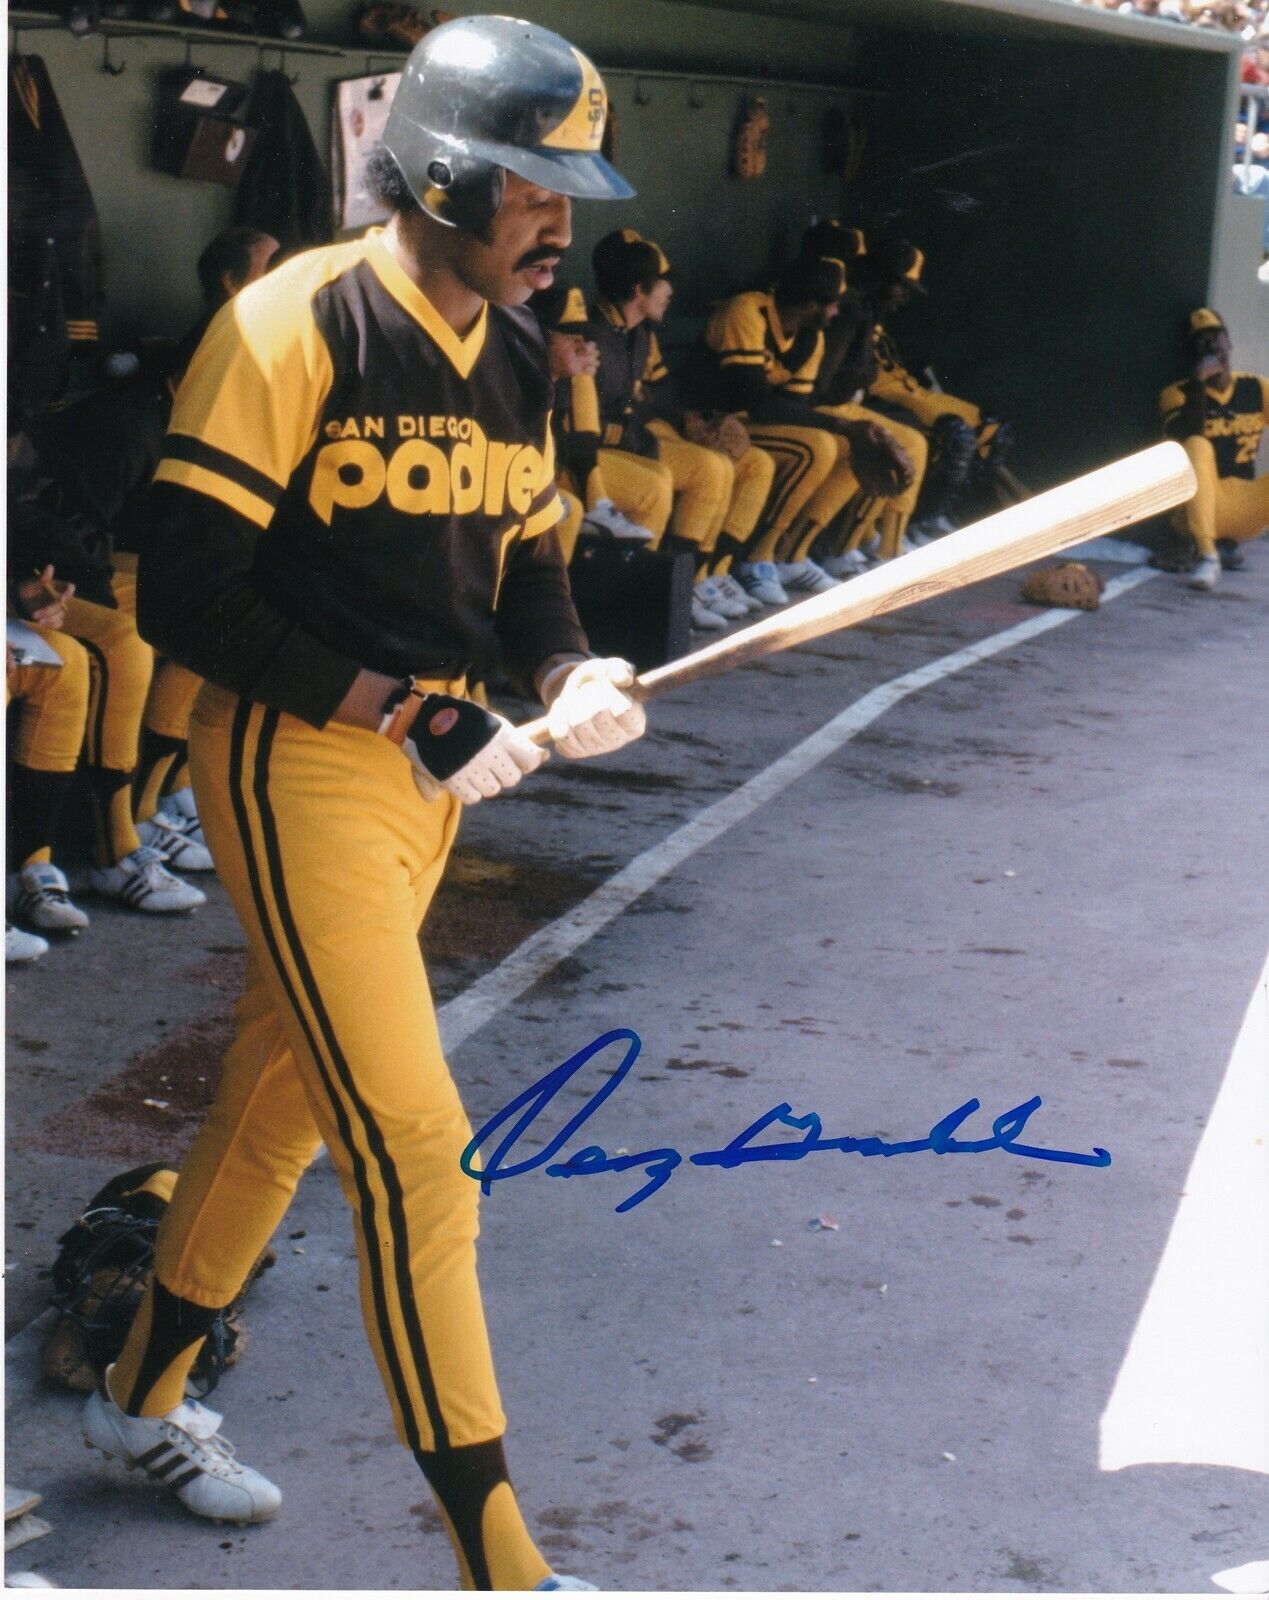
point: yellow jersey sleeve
(584, 416)
(737, 333)
(247, 410)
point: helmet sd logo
(442, 722)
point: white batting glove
(587, 714)
(461, 748)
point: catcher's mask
(484, 95)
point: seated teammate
(43, 756)
(48, 528)
(642, 471)
(1218, 416)
(849, 365)
(965, 446)
(634, 276)
(759, 358)
(574, 360)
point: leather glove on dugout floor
(459, 746)
(587, 713)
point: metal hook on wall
(696, 97)
(292, 80)
(107, 65)
(641, 95)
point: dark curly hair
(386, 182)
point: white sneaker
(847, 565)
(607, 519)
(39, 896)
(703, 619)
(561, 1580)
(144, 883)
(717, 599)
(22, 946)
(804, 577)
(173, 834)
(181, 803)
(185, 1451)
(1205, 575)
(738, 592)
(759, 579)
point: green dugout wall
(1063, 169)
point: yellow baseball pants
(331, 858)
(1223, 508)
(927, 405)
(54, 709)
(804, 458)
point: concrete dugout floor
(1046, 875)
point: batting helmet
(484, 95)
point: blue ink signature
(659, 1164)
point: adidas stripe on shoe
(184, 1451)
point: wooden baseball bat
(1097, 503)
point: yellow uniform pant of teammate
(894, 511)
(121, 667)
(54, 707)
(703, 482)
(643, 489)
(737, 488)
(331, 858)
(927, 405)
(1223, 508)
(173, 690)
(804, 458)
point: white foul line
(1194, 1385)
(468, 1012)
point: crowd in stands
(1249, 19)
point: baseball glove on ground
(101, 1273)
(1069, 584)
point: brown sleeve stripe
(198, 453)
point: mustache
(543, 252)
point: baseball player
(692, 485)
(634, 279)
(963, 442)
(839, 391)
(1218, 416)
(356, 501)
(760, 357)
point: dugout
(1066, 171)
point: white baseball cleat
(709, 592)
(758, 578)
(144, 883)
(847, 565)
(181, 803)
(1206, 573)
(561, 1580)
(19, 946)
(607, 519)
(184, 1451)
(173, 834)
(738, 592)
(704, 620)
(804, 577)
(39, 896)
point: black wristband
(448, 732)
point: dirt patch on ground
(151, 1109)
